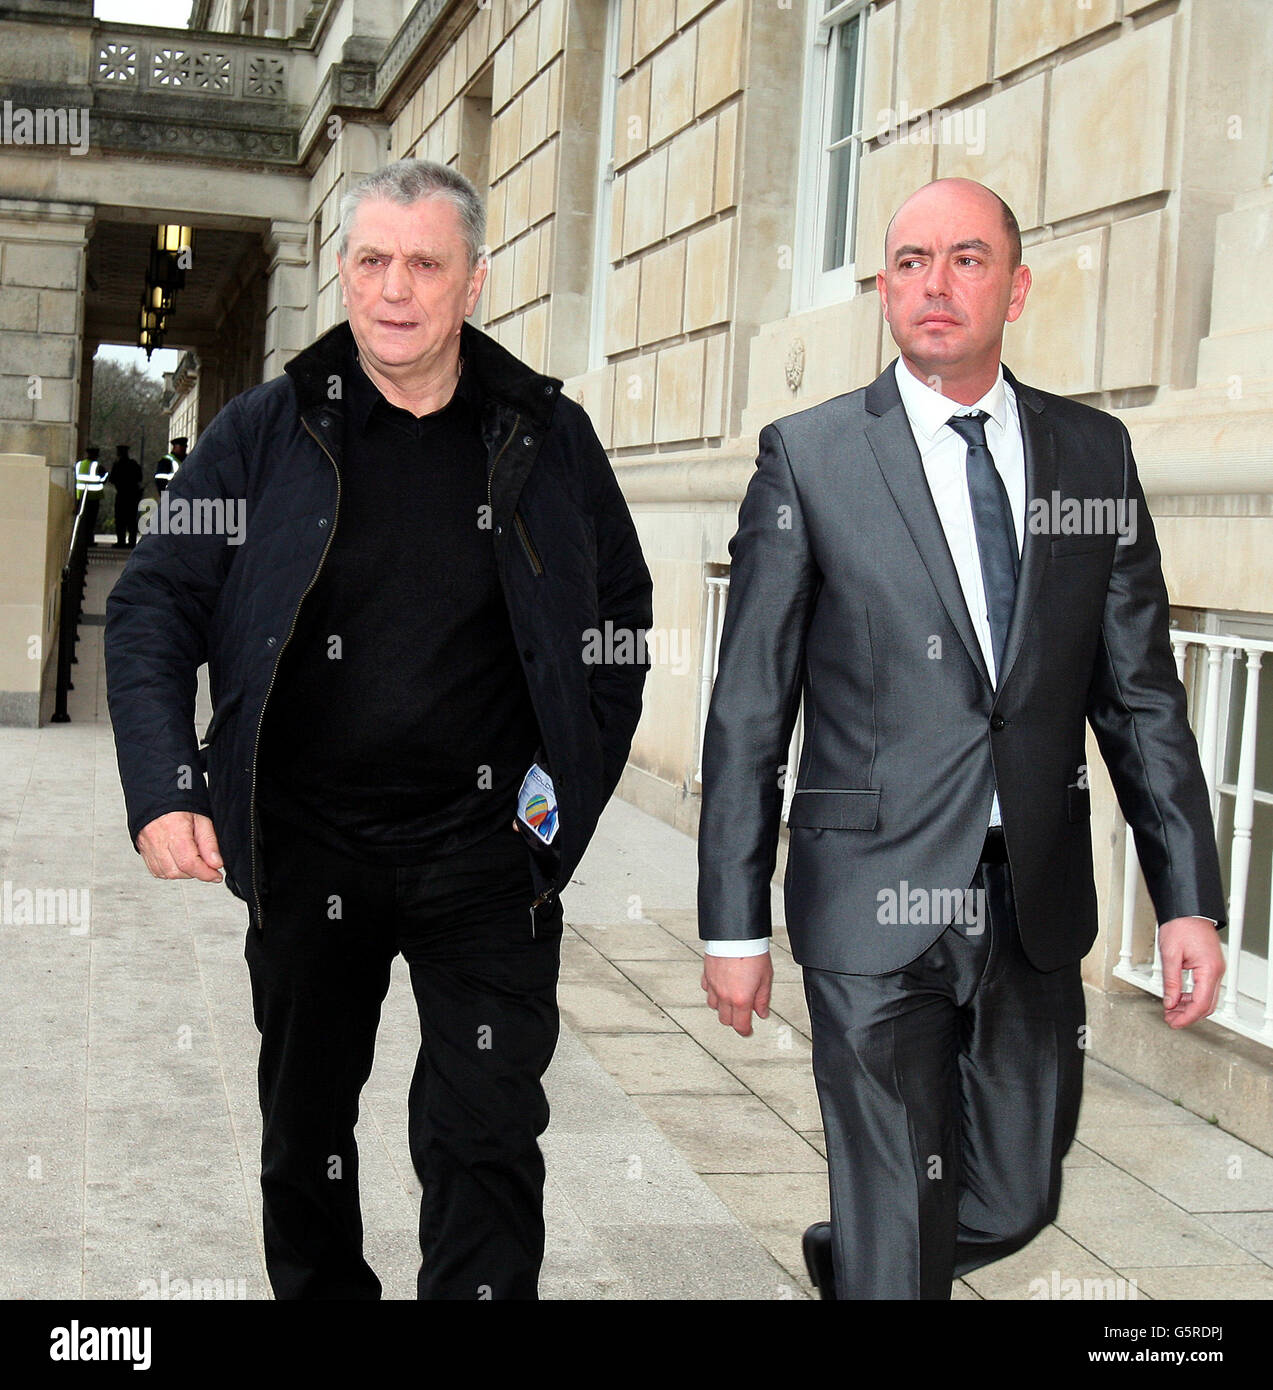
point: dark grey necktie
(996, 531)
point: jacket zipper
(526, 545)
(274, 673)
(538, 568)
(490, 472)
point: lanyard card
(537, 804)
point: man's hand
(1190, 943)
(181, 844)
(735, 986)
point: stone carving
(222, 71)
(212, 72)
(117, 62)
(795, 364)
(169, 67)
(266, 77)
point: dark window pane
(844, 102)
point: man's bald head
(1011, 228)
(952, 280)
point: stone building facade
(687, 201)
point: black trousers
(126, 519)
(950, 1092)
(484, 971)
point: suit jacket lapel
(1040, 479)
(888, 432)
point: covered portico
(201, 129)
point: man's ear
(476, 282)
(1021, 283)
(882, 289)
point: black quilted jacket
(566, 550)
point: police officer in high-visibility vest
(89, 477)
(166, 468)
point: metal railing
(74, 580)
(713, 625)
(1222, 675)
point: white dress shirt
(944, 455)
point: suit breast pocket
(832, 809)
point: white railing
(713, 625)
(1216, 670)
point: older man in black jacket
(396, 560)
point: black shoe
(817, 1258)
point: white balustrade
(1246, 1003)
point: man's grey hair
(407, 181)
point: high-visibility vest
(87, 478)
(166, 474)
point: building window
(832, 141)
(474, 160)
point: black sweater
(400, 726)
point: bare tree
(127, 409)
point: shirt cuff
(756, 946)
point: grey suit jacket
(843, 590)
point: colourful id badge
(537, 805)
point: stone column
(42, 267)
(42, 261)
(1237, 353)
(287, 296)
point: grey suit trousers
(950, 1093)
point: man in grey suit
(952, 598)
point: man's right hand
(737, 985)
(181, 844)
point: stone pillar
(35, 517)
(287, 296)
(42, 262)
(1238, 351)
(42, 267)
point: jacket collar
(500, 378)
(882, 394)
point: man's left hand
(1190, 943)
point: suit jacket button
(997, 722)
